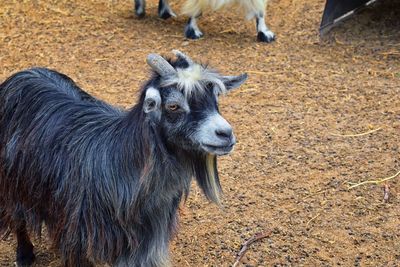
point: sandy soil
(299, 120)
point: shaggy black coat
(102, 179)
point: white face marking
(189, 77)
(152, 100)
(192, 80)
(207, 132)
(212, 138)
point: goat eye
(173, 107)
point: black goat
(107, 182)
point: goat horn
(160, 65)
(184, 56)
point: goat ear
(152, 102)
(232, 82)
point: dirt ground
(314, 115)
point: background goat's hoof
(191, 33)
(166, 14)
(140, 13)
(266, 37)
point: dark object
(338, 10)
(386, 193)
(246, 245)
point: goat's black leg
(263, 33)
(25, 255)
(192, 31)
(164, 10)
(140, 8)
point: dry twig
(312, 219)
(390, 53)
(359, 134)
(258, 72)
(379, 181)
(231, 30)
(246, 245)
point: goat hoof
(191, 33)
(266, 37)
(25, 260)
(166, 14)
(25, 256)
(140, 14)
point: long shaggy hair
(103, 180)
(196, 7)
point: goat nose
(225, 133)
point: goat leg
(192, 31)
(263, 32)
(140, 8)
(25, 255)
(164, 10)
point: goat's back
(47, 130)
